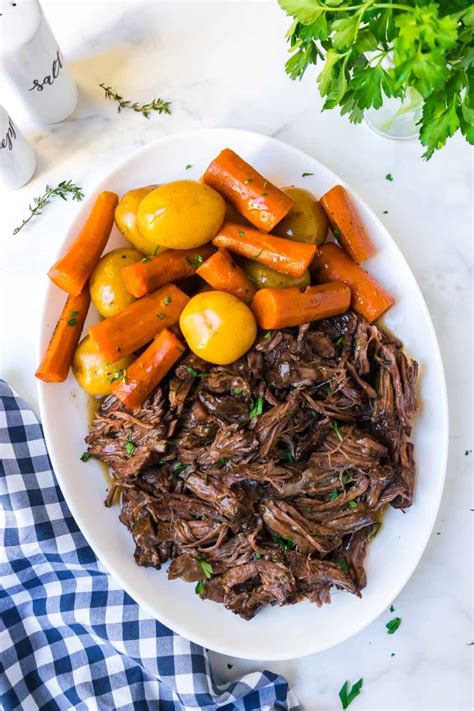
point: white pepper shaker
(17, 158)
(32, 64)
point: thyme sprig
(163, 107)
(64, 189)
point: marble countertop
(221, 64)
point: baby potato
(108, 292)
(306, 221)
(91, 370)
(181, 215)
(218, 327)
(126, 219)
(262, 276)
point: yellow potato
(306, 221)
(91, 370)
(126, 219)
(181, 215)
(264, 277)
(218, 327)
(108, 292)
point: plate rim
(97, 547)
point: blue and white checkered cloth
(70, 638)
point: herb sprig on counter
(348, 694)
(159, 105)
(370, 50)
(63, 190)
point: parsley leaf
(389, 177)
(130, 447)
(347, 694)
(305, 175)
(85, 457)
(195, 261)
(285, 543)
(257, 409)
(237, 391)
(335, 427)
(343, 565)
(199, 587)
(223, 460)
(196, 373)
(333, 495)
(257, 556)
(207, 568)
(393, 625)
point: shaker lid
(19, 20)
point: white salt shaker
(32, 64)
(17, 158)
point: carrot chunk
(223, 274)
(346, 224)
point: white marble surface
(221, 63)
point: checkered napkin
(70, 638)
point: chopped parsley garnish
(156, 250)
(207, 568)
(467, 452)
(285, 543)
(305, 175)
(309, 509)
(179, 468)
(256, 409)
(196, 373)
(288, 457)
(248, 180)
(223, 460)
(392, 609)
(189, 165)
(241, 233)
(73, 320)
(267, 335)
(385, 212)
(265, 184)
(161, 316)
(229, 666)
(257, 556)
(85, 457)
(333, 495)
(117, 374)
(343, 565)
(146, 259)
(352, 504)
(264, 194)
(199, 587)
(347, 695)
(393, 625)
(326, 390)
(339, 341)
(166, 301)
(347, 476)
(389, 177)
(195, 261)
(237, 391)
(129, 447)
(335, 427)
(336, 232)
(392, 654)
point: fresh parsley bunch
(430, 45)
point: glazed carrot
(281, 254)
(368, 297)
(148, 369)
(139, 323)
(153, 272)
(72, 271)
(346, 224)
(263, 204)
(222, 273)
(280, 308)
(56, 362)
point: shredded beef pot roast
(280, 506)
